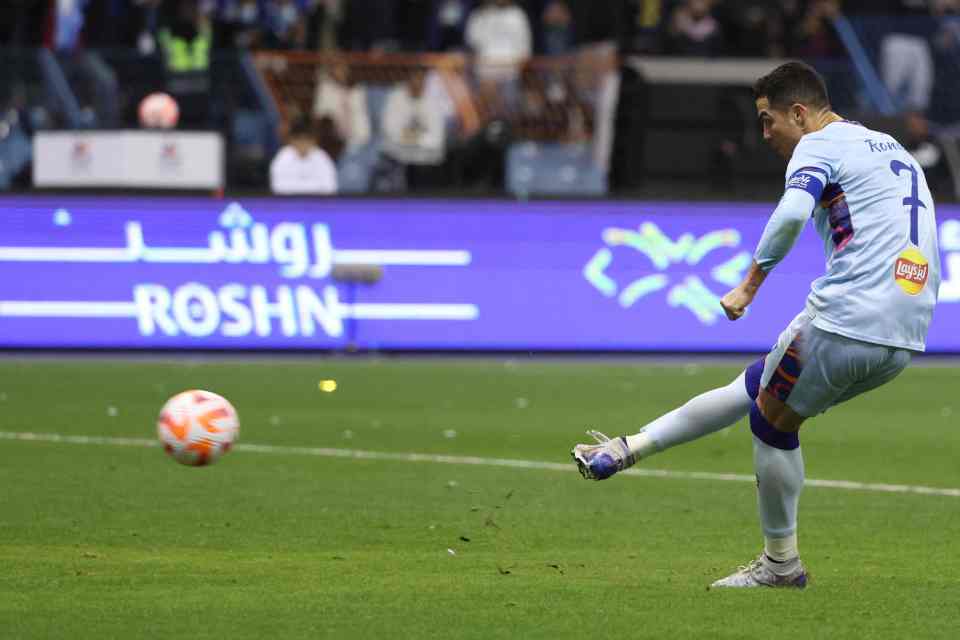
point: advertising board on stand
(175, 160)
(192, 273)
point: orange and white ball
(197, 427)
(159, 111)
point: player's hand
(735, 303)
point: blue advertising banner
(191, 273)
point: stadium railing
(547, 120)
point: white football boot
(600, 461)
(759, 573)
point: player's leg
(700, 416)
(703, 415)
(831, 369)
(837, 369)
(778, 460)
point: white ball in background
(159, 111)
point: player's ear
(798, 114)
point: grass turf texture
(121, 542)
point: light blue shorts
(812, 370)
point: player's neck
(821, 120)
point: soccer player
(862, 320)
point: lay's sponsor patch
(910, 271)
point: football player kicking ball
(861, 322)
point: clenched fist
(735, 302)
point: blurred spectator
(754, 28)
(328, 138)
(693, 30)
(906, 61)
(120, 24)
(448, 24)
(341, 98)
(185, 40)
(947, 38)
(556, 26)
(286, 25)
(368, 25)
(301, 167)
(68, 18)
(498, 32)
(596, 21)
(414, 132)
(93, 82)
(642, 29)
(927, 152)
(238, 24)
(436, 93)
(322, 17)
(143, 17)
(816, 36)
(549, 109)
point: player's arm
(778, 238)
(737, 300)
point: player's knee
(777, 412)
(767, 432)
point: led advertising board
(260, 273)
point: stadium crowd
(421, 127)
(775, 28)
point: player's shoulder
(830, 144)
(838, 135)
(814, 151)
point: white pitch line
(358, 454)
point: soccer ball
(197, 427)
(159, 111)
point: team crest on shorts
(910, 271)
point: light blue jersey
(872, 207)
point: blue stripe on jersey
(806, 179)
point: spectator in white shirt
(341, 98)
(301, 167)
(498, 32)
(414, 128)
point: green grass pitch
(106, 541)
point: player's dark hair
(791, 83)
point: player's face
(780, 130)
